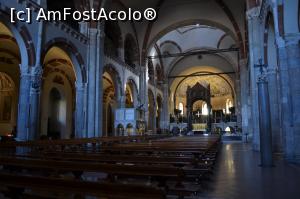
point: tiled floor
(238, 176)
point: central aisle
(238, 176)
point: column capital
(253, 13)
(262, 78)
(36, 78)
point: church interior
(202, 102)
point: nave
(238, 175)
(157, 166)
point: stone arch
(59, 72)
(114, 73)
(171, 43)
(112, 92)
(134, 88)
(120, 130)
(23, 40)
(129, 129)
(222, 56)
(270, 58)
(74, 54)
(269, 39)
(131, 51)
(202, 72)
(172, 27)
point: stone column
(35, 91)
(265, 123)
(92, 64)
(244, 98)
(165, 119)
(23, 108)
(274, 108)
(144, 92)
(79, 112)
(99, 83)
(256, 51)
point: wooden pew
(160, 174)
(82, 141)
(131, 159)
(75, 187)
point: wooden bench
(173, 164)
(154, 173)
(16, 184)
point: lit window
(229, 104)
(204, 109)
(228, 129)
(180, 107)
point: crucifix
(198, 114)
(261, 66)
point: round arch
(202, 72)
(23, 40)
(186, 23)
(114, 73)
(134, 88)
(71, 50)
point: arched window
(204, 109)
(181, 108)
(229, 105)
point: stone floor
(238, 176)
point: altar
(198, 122)
(200, 127)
